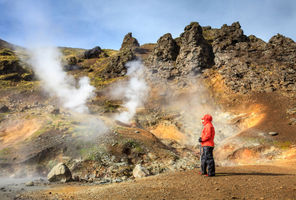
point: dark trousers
(207, 161)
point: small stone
(273, 133)
(216, 188)
(292, 121)
(56, 111)
(140, 171)
(30, 183)
(137, 131)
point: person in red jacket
(207, 143)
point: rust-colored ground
(18, 130)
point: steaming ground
(134, 91)
(46, 63)
(104, 124)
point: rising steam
(134, 92)
(45, 59)
(73, 94)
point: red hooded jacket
(208, 133)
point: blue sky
(89, 23)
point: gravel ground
(241, 182)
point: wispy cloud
(89, 23)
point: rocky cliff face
(188, 54)
(245, 63)
(249, 64)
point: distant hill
(7, 45)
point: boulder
(129, 42)
(4, 109)
(140, 171)
(73, 60)
(30, 183)
(60, 172)
(93, 53)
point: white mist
(134, 92)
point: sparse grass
(19, 85)
(68, 52)
(209, 35)
(284, 145)
(134, 146)
(6, 151)
(109, 106)
(94, 153)
(110, 52)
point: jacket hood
(207, 118)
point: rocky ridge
(244, 63)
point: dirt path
(243, 182)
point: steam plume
(45, 61)
(134, 93)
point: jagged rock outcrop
(165, 50)
(93, 53)
(250, 64)
(190, 53)
(129, 42)
(227, 37)
(164, 55)
(282, 49)
(116, 64)
(195, 52)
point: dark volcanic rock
(11, 66)
(282, 49)
(93, 53)
(195, 52)
(4, 109)
(72, 60)
(129, 42)
(228, 36)
(188, 54)
(250, 64)
(164, 56)
(165, 50)
(116, 65)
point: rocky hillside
(246, 83)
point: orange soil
(17, 131)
